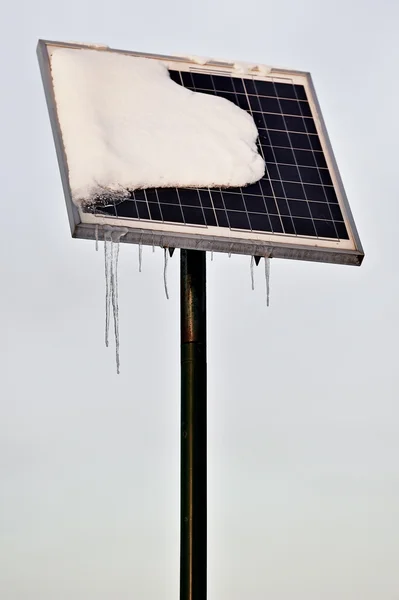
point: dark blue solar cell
(172, 212)
(310, 175)
(242, 101)
(305, 109)
(254, 188)
(299, 208)
(273, 121)
(151, 195)
(310, 125)
(187, 79)
(233, 201)
(210, 217)
(206, 199)
(325, 229)
(305, 158)
(272, 170)
(314, 142)
(320, 160)
(175, 76)
(189, 197)
(269, 155)
(202, 81)
(288, 225)
(294, 190)
(139, 195)
(260, 222)
(336, 212)
(330, 194)
(315, 192)
(168, 196)
(238, 220)
(304, 227)
(289, 173)
(217, 199)
(255, 204)
(320, 210)
(155, 211)
(266, 187)
(128, 209)
(285, 90)
(268, 104)
(238, 85)
(193, 215)
(263, 88)
(259, 120)
(284, 156)
(280, 138)
(290, 107)
(283, 207)
(295, 124)
(325, 177)
(341, 230)
(300, 92)
(221, 83)
(254, 104)
(142, 210)
(276, 223)
(221, 217)
(271, 205)
(300, 141)
(278, 189)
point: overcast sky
(303, 414)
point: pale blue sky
(303, 415)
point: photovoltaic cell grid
(295, 197)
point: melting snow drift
(126, 125)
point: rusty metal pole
(193, 509)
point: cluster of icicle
(112, 237)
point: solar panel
(297, 210)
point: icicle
(212, 255)
(107, 261)
(111, 254)
(96, 234)
(140, 256)
(267, 275)
(252, 273)
(114, 295)
(165, 272)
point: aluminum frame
(88, 226)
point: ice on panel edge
(126, 125)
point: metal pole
(193, 509)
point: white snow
(126, 125)
(244, 68)
(199, 60)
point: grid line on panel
(324, 192)
(263, 197)
(273, 186)
(295, 160)
(296, 196)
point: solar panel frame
(196, 236)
